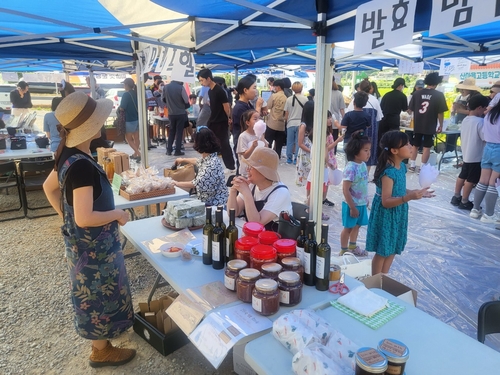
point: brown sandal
(110, 356)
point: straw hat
(266, 161)
(82, 117)
(468, 84)
(496, 87)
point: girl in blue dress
(388, 223)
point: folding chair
(488, 319)
(9, 179)
(33, 174)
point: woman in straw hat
(79, 191)
(260, 197)
(467, 89)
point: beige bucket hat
(468, 84)
(266, 161)
(82, 117)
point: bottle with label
(231, 235)
(218, 243)
(310, 255)
(207, 237)
(301, 239)
(323, 261)
(223, 226)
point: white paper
(183, 236)
(212, 295)
(221, 330)
(451, 15)
(383, 24)
(410, 67)
(454, 65)
(183, 67)
(186, 313)
(363, 301)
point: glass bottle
(231, 235)
(207, 237)
(223, 226)
(218, 243)
(323, 261)
(310, 255)
(301, 239)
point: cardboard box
(391, 286)
(154, 325)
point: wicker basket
(151, 194)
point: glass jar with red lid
(261, 254)
(252, 229)
(268, 237)
(285, 248)
(242, 247)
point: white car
(116, 96)
(5, 96)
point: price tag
(117, 182)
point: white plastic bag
(335, 176)
(428, 175)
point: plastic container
(245, 283)
(290, 288)
(252, 229)
(293, 264)
(233, 268)
(397, 354)
(270, 271)
(242, 247)
(285, 248)
(370, 361)
(261, 254)
(266, 297)
(268, 237)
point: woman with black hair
(209, 182)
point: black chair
(9, 178)
(488, 319)
(33, 174)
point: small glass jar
(270, 271)
(266, 297)
(285, 248)
(397, 354)
(245, 284)
(231, 273)
(370, 361)
(290, 288)
(252, 229)
(242, 247)
(293, 264)
(261, 254)
(268, 237)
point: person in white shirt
(293, 114)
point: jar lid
(246, 243)
(264, 252)
(394, 350)
(289, 277)
(285, 245)
(291, 261)
(252, 228)
(249, 274)
(271, 267)
(266, 285)
(236, 264)
(268, 237)
(371, 360)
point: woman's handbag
(183, 172)
(288, 226)
(119, 122)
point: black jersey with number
(426, 104)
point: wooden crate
(151, 194)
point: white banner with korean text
(450, 15)
(383, 24)
(178, 64)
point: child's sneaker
(489, 219)
(474, 213)
(359, 252)
(412, 169)
(466, 206)
(455, 201)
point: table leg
(157, 284)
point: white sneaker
(475, 213)
(488, 219)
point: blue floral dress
(100, 291)
(388, 227)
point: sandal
(359, 252)
(325, 217)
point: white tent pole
(323, 88)
(143, 119)
(92, 84)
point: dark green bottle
(301, 239)
(218, 237)
(207, 237)
(231, 235)
(222, 224)
(323, 261)
(310, 255)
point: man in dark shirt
(219, 117)
(177, 101)
(20, 99)
(392, 104)
(428, 106)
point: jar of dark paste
(231, 273)
(271, 271)
(370, 361)
(290, 288)
(245, 284)
(293, 264)
(397, 354)
(266, 297)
